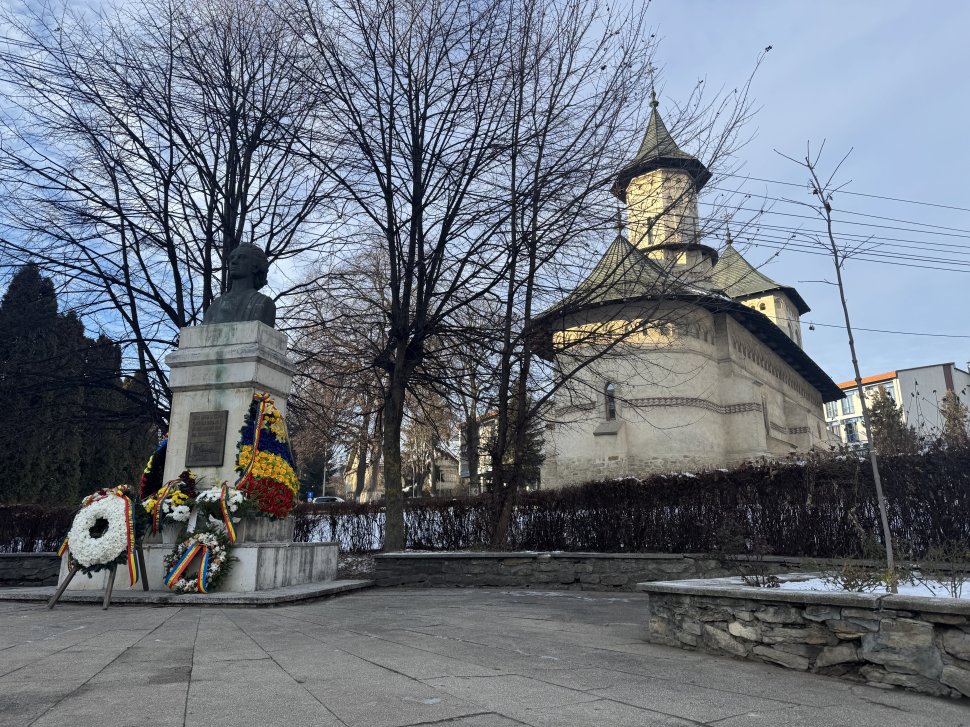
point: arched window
(610, 401)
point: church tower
(660, 187)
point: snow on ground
(927, 588)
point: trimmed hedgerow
(818, 507)
(33, 528)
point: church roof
(623, 273)
(736, 277)
(658, 150)
(626, 275)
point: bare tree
(418, 125)
(582, 74)
(142, 143)
(824, 192)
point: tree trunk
(471, 452)
(377, 442)
(394, 535)
(360, 476)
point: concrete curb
(257, 599)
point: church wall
(792, 405)
(669, 415)
(709, 395)
(782, 312)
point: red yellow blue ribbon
(202, 582)
(183, 563)
(157, 515)
(226, 517)
(263, 398)
(130, 541)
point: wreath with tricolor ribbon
(199, 562)
(105, 530)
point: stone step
(268, 597)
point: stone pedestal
(168, 534)
(265, 530)
(217, 368)
(260, 567)
(215, 372)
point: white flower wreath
(91, 550)
(234, 499)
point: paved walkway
(471, 658)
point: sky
(887, 80)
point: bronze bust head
(248, 267)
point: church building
(679, 358)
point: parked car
(327, 500)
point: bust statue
(243, 301)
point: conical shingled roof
(659, 151)
(623, 272)
(737, 278)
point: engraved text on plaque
(207, 438)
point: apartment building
(917, 391)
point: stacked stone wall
(917, 643)
(29, 569)
(564, 571)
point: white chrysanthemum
(89, 550)
(180, 513)
(234, 497)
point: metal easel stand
(109, 586)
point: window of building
(851, 432)
(831, 409)
(848, 405)
(610, 401)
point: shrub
(821, 507)
(33, 528)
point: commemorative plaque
(207, 438)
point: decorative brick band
(696, 403)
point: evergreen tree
(955, 418)
(67, 427)
(39, 448)
(890, 434)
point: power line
(862, 257)
(804, 185)
(928, 233)
(896, 333)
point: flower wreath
(199, 563)
(265, 462)
(104, 531)
(173, 502)
(223, 507)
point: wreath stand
(109, 586)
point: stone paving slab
(268, 597)
(403, 658)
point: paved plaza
(406, 657)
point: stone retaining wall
(566, 571)
(29, 569)
(918, 643)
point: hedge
(817, 507)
